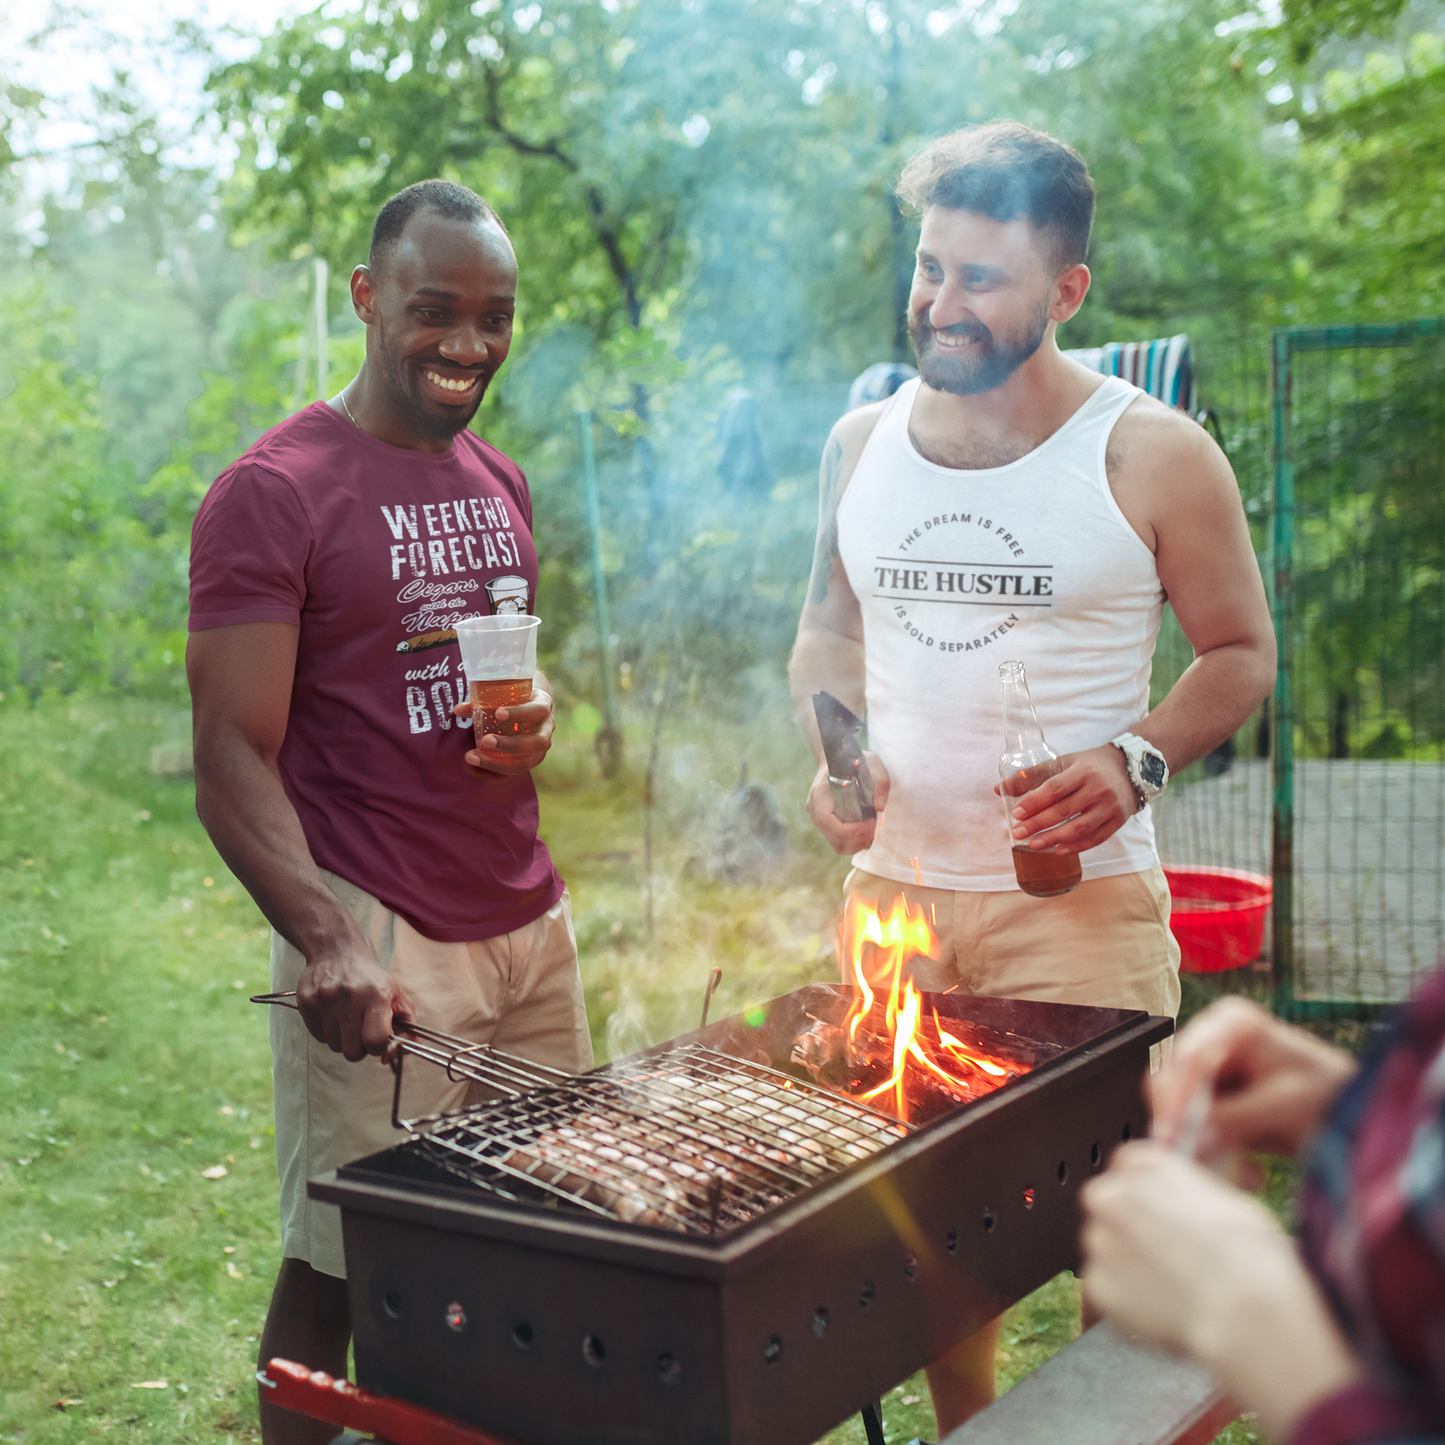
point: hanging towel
(1165, 368)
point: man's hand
(1268, 1084)
(347, 1000)
(1092, 797)
(1174, 1255)
(511, 753)
(847, 838)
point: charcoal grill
(694, 1246)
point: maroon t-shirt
(377, 552)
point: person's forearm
(825, 661)
(1210, 702)
(254, 827)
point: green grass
(131, 1064)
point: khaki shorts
(521, 991)
(1107, 943)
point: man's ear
(1070, 288)
(363, 294)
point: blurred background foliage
(700, 195)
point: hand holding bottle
(1027, 766)
(1086, 800)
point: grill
(703, 1244)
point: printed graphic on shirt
(455, 560)
(951, 565)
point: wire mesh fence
(1360, 736)
(1337, 786)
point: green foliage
(747, 150)
(1309, 23)
(1368, 575)
(81, 582)
(1385, 128)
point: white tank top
(958, 571)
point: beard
(432, 421)
(991, 362)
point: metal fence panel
(1337, 786)
(1359, 729)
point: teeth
(449, 385)
(951, 340)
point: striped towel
(1165, 369)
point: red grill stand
(340, 1403)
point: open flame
(877, 948)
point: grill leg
(873, 1422)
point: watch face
(1151, 769)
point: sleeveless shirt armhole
(1110, 422)
(911, 388)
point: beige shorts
(521, 991)
(1107, 943)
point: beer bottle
(1028, 761)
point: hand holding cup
(512, 721)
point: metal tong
(481, 1063)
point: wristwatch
(1145, 764)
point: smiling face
(983, 295)
(439, 315)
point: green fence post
(1282, 713)
(609, 739)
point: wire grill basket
(691, 1140)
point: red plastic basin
(1218, 916)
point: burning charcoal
(822, 1053)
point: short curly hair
(456, 202)
(1008, 172)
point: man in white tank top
(1012, 505)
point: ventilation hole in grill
(456, 1317)
(867, 1295)
(1063, 1171)
(1095, 1154)
(668, 1370)
(391, 1303)
(820, 1322)
(988, 1221)
(910, 1267)
(773, 1350)
(1128, 1132)
(522, 1335)
(1028, 1198)
(594, 1351)
(950, 1241)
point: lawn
(138, 1235)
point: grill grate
(691, 1140)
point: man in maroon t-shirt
(399, 865)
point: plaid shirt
(1372, 1232)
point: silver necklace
(341, 397)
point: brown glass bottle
(1027, 762)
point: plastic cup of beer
(499, 655)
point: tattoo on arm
(825, 550)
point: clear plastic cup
(500, 656)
